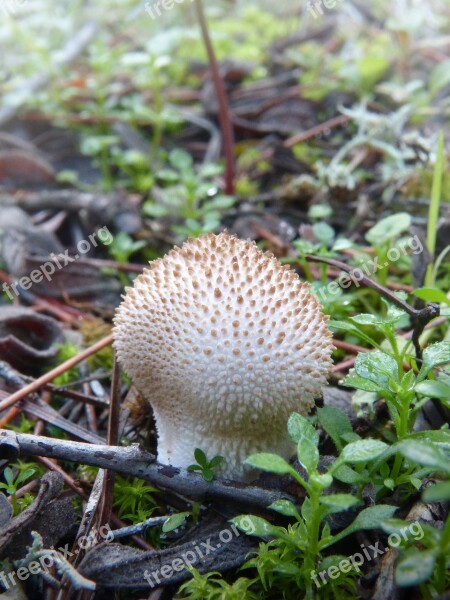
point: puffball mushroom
(225, 343)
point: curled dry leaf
(21, 168)
(28, 340)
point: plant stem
(14, 505)
(433, 213)
(397, 466)
(224, 113)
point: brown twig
(112, 440)
(133, 460)
(47, 377)
(419, 317)
(224, 113)
(316, 130)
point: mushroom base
(177, 449)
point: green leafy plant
(13, 482)
(25, 426)
(294, 553)
(121, 249)
(123, 246)
(133, 499)
(390, 370)
(189, 194)
(205, 466)
(212, 587)
(66, 351)
(431, 562)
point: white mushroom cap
(225, 343)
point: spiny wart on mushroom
(225, 343)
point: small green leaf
(395, 313)
(253, 525)
(23, 475)
(342, 244)
(332, 561)
(363, 450)
(155, 210)
(439, 437)
(323, 233)
(219, 202)
(389, 484)
(350, 328)
(335, 422)
(325, 537)
(285, 569)
(360, 383)
(370, 68)
(369, 518)
(307, 439)
(388, 228)
(286, 508)
(175, 521)
(339, 502)
(322, 480)
(216, 461)
(319, 211)
(167, 176)
(308, 455)
(300, 428)
(432, 295)
(377, 367)
(270, 462)
(415, 568)
(208, 475)
(417, 483)
(210, 170)
(394, 525)
(181, 160)
(440, 492)
(427, 455)
(408, 381)
(434, 355)
(8, 475)
(366, 319)
(434, 389)
(200, 457)
(347, 475)
(306, 510)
